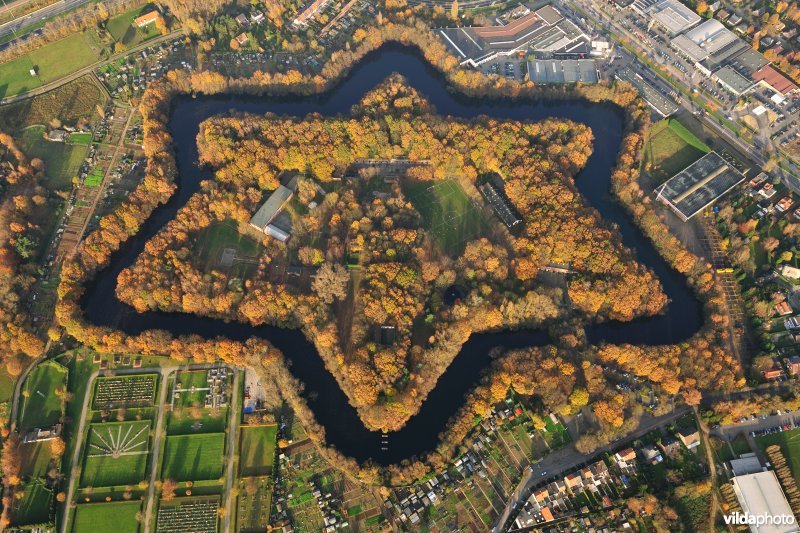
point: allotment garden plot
(116, 453)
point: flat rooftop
(661, 104)
(674, 16)
(544, 30)
(562, 71)
(760, 494)
(700, 184)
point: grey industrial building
(269, 218)
(699, 185)
(543, 30)
(562, 71)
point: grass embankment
(670, 148)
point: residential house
(651, 455)
(241, 19)
(784, 204)
(783, 308)
(690, 437)
(573, 481)
(626, 457)
(773, 373)
(257, 17)
(670, 446)
(242, 39)
(789, 272)
(146, 19)
(793, 365)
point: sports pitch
(193, 457)
(116, 454)
(447, 213)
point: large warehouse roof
(704, 40)
(694, 188)
(760, 495)
(674, 16)
(542, 30)
(562, 71)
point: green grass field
(119, 517)
(40, 405)
(447, 212)
(116, 454)
(671, 148)
(62, 161)
(52, 61)
(36, 458)
(81, 137)
(6, 386)
(789, 441)
(122, 30)
(34, 507)
(213, 240)
(183, 421)
(193, 457)
(185, 381)
(257, 450)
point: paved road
(568, 459)
(157, 439)
(18, 386)
(233, 432)
(40, 14)
(86, 70)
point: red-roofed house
(783, 309)
(144, 20)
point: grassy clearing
(62, 161)
(671, 148)
(213, 240)
(193, 387)
(116, 454)
(34, 507)
(80, 137)
(51, 62)
(36, 457)
(447, 212)
(6, 386)
(257, 450)
(41, 406)
(122, 29)
(119, 517)
(69, 103)
(195, 420)
(789, 441)
(193, 457)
